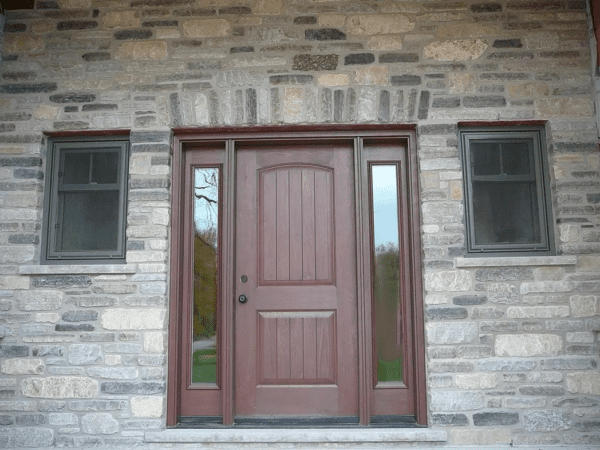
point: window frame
(57, 147)
(536, 140)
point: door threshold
(384, 421)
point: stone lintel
(517, 261)
(78, 268)
(291, 435)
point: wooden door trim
(184, 139)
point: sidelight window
(508, 209)
(85, 202)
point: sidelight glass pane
(89, 221)
(505, 213)
(386, 274)
(206, 252)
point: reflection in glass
(386, 273)
(206, 240)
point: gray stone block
(495, 419)
(83, 354)
(450, 401)
(545, 421)
(128, 387)
(99, 423)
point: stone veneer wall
(512, 345)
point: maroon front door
(295, 335)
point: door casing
(221, 143)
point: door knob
(242, 298)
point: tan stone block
(593, 161)
(525, 345)
(429, 180)
(142, 50)
(460, 50)
(147, 406)
(59, 387)
(442, 17)
(75, 4)
(18, 42)
(529, 90)
(167, 33)
(584, 305)
(476, 381)
(292, 104)
(14, 282)
(468, 29)
(267, 7)
(46, 112)
(42, 26)
(385, 42)
(542, 41)
(332, 20)
(22, 366)
(560, 172)
(371, 76)
(363, 24)
(561, 107)
(122, 19)
(338, 79)
(584, 383)
(462, 83)
(133, 319)
(206, 28)
(588, 263)
(480, 437)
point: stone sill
(78, 269)
(296, 436)
(517, 261)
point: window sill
(78, 269)
(517, 261)
(296, 436)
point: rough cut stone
(449, 401)
(544, 421)
(82, 354)
(481, 437)
(26, 437)
(460, 50)
(495, 419)
(39, 300)
(584, 383)
(585, 305)
(150, 407)
(528, 345)
(451, 333)
(59, 387)
(476, 381)
(99, 423)
(133, 319)
(23, 366)
(206, 28)
(459, 280)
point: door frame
(224, 139)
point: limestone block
(338, 79)
(542, 41)
(363, 24)
(46, 112)
(47, 317)
(561, 107)
(588, 263)
(151, 407)
(267, 7)
(448, 281)
(113, 373)
(21, 254)
(451, 333)
(161, 216)
(292, 104)
(142, 50)
(99, 423)
(21, 366)
(456, 401)
(542, 421)
(63, 419)
(460, 50)
(59, 387)
(133, 319)
(154, 342)
(82, 354)
(121, 19)
(206, 28)
(481, 437)
(39, 300)
(113, 360)
(468, 29)
(462, 83)
(537, 312)
(19, 42)
(582, 337)
(584, 383)
(585, 305)
(147, 231)
(546, 286)
(140, 164)
(385, 42)
(568, 233)
(13, 282)
(476, 380)
(331, 20)
(257, 61)
(528, 345)
(75, 4)
(529, 90)
(371, 76)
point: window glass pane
(76, 168)
(206, 241)
(505, 213)
(515, 158)
(105, 167)
(89, 221)
(386, 295)
(485, 158)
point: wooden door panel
(297, 347)
(296, 242)
(296, 343)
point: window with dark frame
(85, 202)
(507, 192)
